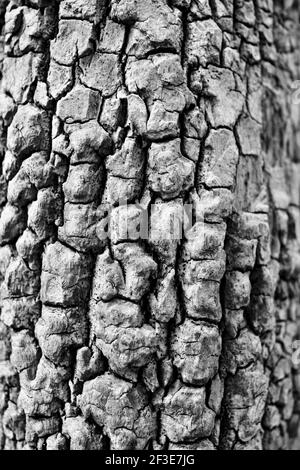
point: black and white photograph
(149, 228)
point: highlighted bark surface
(138, 341)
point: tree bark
(149, 224)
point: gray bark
(127, 113)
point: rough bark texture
(128, 342)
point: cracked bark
(132, 342)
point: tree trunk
(150, 224)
